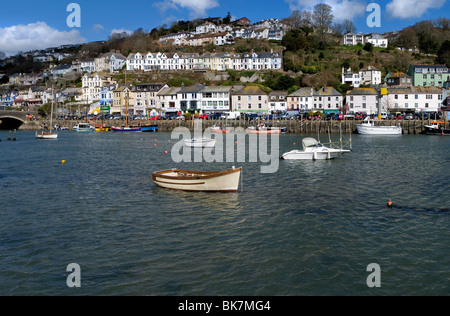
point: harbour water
(311, 228)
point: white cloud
(98, 27)
(120, 31)
(196, 8)
(342, 9)
(39, 35)
(405, 9)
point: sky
(31, 24)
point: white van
(230, 115)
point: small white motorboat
(368, 127)
(200, 143)
(84, 127)
(313, 150)
(199, 181)
(46, 135)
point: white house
(215, 99)
(416, 98)
(116, 62)
(377, 40)
(207, 27)
(350, 78)
(145, 96)
(278, 101)
(370, 76)
(93, 84)
(167, 99)
(364, 100)
(88, 65)
(352, 39)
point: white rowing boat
(199, 181)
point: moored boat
(313, 150)
(126, 129)
(84, 127)
(46, 135)
(219, 129)
(264, 129)
(149, 128)
(436, 128)
(368, 127)
(200, 143)
(199, 181)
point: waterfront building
(167, 100)
(92, 85)
(327, 100)
(250, 99)
(429, 75)
(363, 100)
(123, 100)
(412, 99)
(300, 100)
(278, 101)
(145, 97)
(216, 99)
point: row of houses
(418, 75)
(206, 61)
(352, 39)
(143, 99)
(210, 33)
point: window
(396, 97)
(429, 97)
(406, 97)
(416, 97)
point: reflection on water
(309, 229)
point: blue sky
(28, 24)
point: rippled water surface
(312, 228)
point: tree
(368, 47)
(443, 55)
(227, 19)
(322, 18)
(349, 27)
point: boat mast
(126, 100)
(51, 111)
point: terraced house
(429, 75)
(206, 61)
(412, 99)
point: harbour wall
(292, 126)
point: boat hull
(200, 143)
(263, 131)
(379, 130)
(126, 129)
(193, 181)
(43, 135)
(437, 131)
(149, 129)
(311, 155)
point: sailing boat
(126, 128)
(49, 134)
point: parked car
(203, 116)
(409, 116)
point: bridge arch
(10, 122)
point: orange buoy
(389, 203)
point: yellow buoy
(63, 161)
